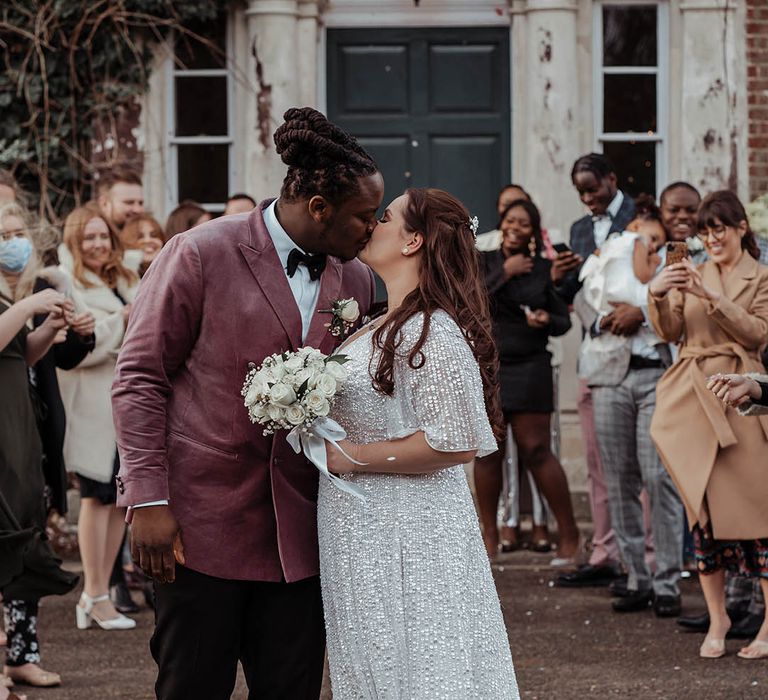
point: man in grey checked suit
(595, 180)
(624, 396)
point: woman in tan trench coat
(718, 312)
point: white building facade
(469, 95)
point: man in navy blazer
(611, 210)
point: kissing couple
(255, 557)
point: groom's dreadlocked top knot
(321, 158)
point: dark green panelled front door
(431, 105)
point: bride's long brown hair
(449, 279)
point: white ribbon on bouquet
(312, 442)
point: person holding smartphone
(526, 311)
(609, 211)
(718, 311)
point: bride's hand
(337, 462)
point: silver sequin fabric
(411, 608)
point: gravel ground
(567, 644)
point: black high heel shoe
(121, 599)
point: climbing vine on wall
(68, 66)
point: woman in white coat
(104, 284)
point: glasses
(717, 232)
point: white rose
(303, 375)
(275, 413)
(317, 403)
(350, 311)
(295, 414)
(326, 384)
(282, 395)
(274, 373)
(257, 412)
(337, 370)
(317, 366)
(252, 395)
(294, 363)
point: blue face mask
(15, 254)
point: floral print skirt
(742, 557)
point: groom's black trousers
(204, 625)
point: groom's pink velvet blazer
(216, 299)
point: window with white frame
(200, 120)
(630, 52)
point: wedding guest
(120, 195)
(239, 203)
(491, 240)
(143, 232)
(22, 480)
(718, 311)
(679, 203)
(526, 311)
(509, 533)
(623, 373)
(105, 285)
(610, 210)
(185, 217)
(9, 189)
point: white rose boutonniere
(344, 315)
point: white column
(546, 115)
(273, 66)
(713, 115)
(307, 51)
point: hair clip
(473, 225)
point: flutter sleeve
(443, 398)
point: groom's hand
(156, 542)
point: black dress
(64, 355)
(28, 567)
(525, 372)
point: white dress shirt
(601, 225)
(305, 291)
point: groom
(223, 518)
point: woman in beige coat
(102, 284)
(718, 312)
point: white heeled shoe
(84, 615)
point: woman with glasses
(718, 312)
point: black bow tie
(314, 263)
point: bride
(410, 605)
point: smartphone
(561, 248)
(677, 251)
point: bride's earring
(405, 250)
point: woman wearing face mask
(526, 312)
(92, 256)
(718, 311)
(23, 508)
(410, 605)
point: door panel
(467, 164)
(431, 105)
(393, 155)
(463, 78)
(374, 79)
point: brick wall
(757, 95)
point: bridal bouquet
(295, 391)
